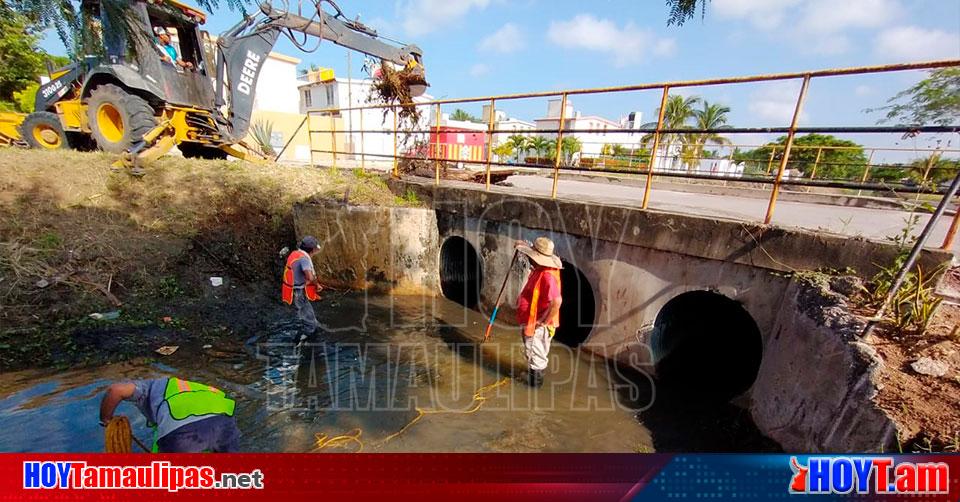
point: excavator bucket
(10, 127)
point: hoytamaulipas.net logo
(878, 475)
(159, 475)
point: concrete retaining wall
(377, 248)
(816, 382)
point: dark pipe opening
(706, 346)
(460, 275)
(579, 308)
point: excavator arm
(244, 48)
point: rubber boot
(535, 378)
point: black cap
(309, 243)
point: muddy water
(376, 363)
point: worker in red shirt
(538, 307)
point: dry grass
(76, 237)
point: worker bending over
(186, 417)
(300, 283)
(538, 307)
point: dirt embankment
(77, 238)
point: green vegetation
(463, 116)
(682, 10)
(681, 113)
(262, 132)
(913, 305)
(932, 101)
(21, 60)
(840, 159)
(75, 27)
(519, 143)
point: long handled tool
(493, 316)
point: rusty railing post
(866, 170)
(773, 152)
(333, 139)
(436, 149)
(363, 157)
(951, 232)
(786, 150)
(816, 162)
(396, 165)
(556, 163)
(490, 127)
(656, 146)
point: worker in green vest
(186, 417)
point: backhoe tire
(43, 130)
(118, 119)
(198, 151)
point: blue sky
(484, 47)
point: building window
(306, 98)
(330, 101)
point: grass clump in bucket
(392, 87)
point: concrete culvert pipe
(706, 347)
(461, 276)
(579, 308)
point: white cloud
(774, 103)
(912, 43)
(767, 14)
(424, 16)
(814, 26)
(479, 70)
(864, 90)
(628, 45)
(830, 16)
(507, 39)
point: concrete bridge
(721, 306)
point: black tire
(43, 130)
(126, 118)
(199, 151)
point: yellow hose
(322, 440)
(118, 437)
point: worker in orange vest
(538, 306)
(300, 283)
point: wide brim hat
(542, 253)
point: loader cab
(138, 64)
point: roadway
(853, 221)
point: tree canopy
(462, 115)
(843, 160)
(683, 10)
(21, 60)
(934, 100)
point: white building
(506, 126)
(323, 91)
(592, 131)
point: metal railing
(780, 154)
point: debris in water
(207, 346)
(42, 283)
(931, 367)
(166, 350)
(105, 316)
(216, 281)
(167, 319)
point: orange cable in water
(322, 440)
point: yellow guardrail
(777, 165)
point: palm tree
(569, 146)
(520, 144)
(539, 144)
(712, 117)
(678, 111)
